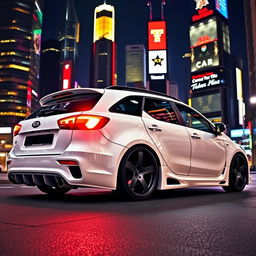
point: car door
(207, 148)
(171, 138)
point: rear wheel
(53, 190)
(138, 174)
(238, 174)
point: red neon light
(29, 96)
(202, 14)
(113, 75)
(66, 74)
(202, 42)
(157, 35)
(202, 75)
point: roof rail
(132, 89)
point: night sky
(131, 28)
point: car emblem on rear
(36, 124)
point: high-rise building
(157, 51)
(172, 89)
(50, 67)
(135, 66)
(20, 42)
(69, 39)
(250, 23)
(103, 62)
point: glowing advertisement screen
(207, 79)
(203, 32)
(37, 40)
(157, 61)
(157, 35)
(207, 104)
(204, 56)
(222, 7)
(66, 75)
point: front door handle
(154, 128)
(195, 136)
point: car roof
(120, 90)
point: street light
(253, 100)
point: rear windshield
(83, 102)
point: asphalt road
(198, 221)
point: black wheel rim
(239, 174)
(141, 171)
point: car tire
(238, 174)
(138, 174)
(53, 190)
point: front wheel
(138, 174)
(238, 174)
(53, 190)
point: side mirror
(219, 128)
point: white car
(129, 140)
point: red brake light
(16, 129)
(67, 162)
(83, 122)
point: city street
(198, 221)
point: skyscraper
(50, 67)
(250, 22)
(69, 39)
(20, 42)
(103, 63)
(135, 66)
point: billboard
(157, 35)
(208, 103)
(205, 8)
(157, 62)
(203, 32)
(67, 75)
(222, 7)
(204, 56)
(207, 79)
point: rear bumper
(96, 169)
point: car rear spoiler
(68, 94)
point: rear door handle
(195, 136)
(154, 128)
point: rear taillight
(83, 122)
(16, 129)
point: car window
(84, 102)
(130, 106)
(193, 119)
(161, 110)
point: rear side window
(161, 110)
(130, 106)
(83, 102)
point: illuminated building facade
(103, 62)
(69, 38)
(20, 42)
(216, 76)
(135, 66)
(250, 23)
(50, 67)
(157, 52)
